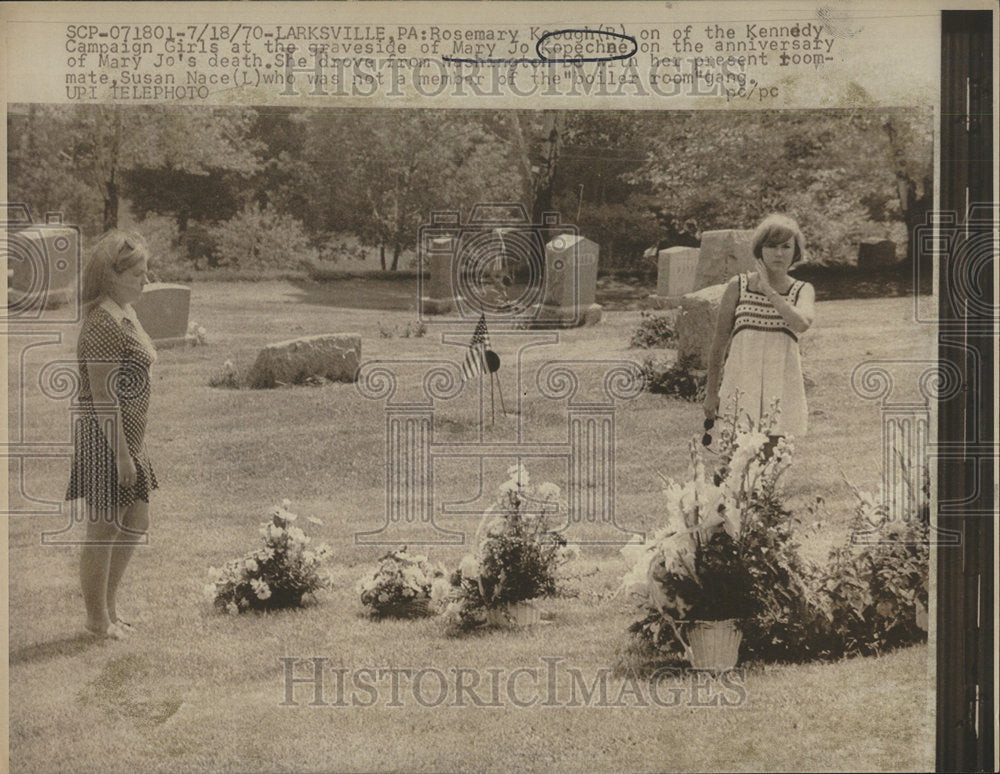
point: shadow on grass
(359, 293)
(61, 648)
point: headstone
(43, 265)
(333, 356)
(438, 293)
(873, 253)
(676, 270)
(570, 280)
(723, 255)
(163, 312)
(696, 323)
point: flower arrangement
(276, 575)
(726, 550)
(196, 334)
(517, 556)
(400, 585)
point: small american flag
(476, 356)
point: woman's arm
(101, 355)
(101, 373)
(799, 315)
(723, 328)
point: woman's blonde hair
(115, 252)
(777, 229)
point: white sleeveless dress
(763, 364)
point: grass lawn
(198, 691)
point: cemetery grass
(194, 690)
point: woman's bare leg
(133, 531)
(95, 562)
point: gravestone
(570, 282)
(722, 256)
(676, 271)
(333, 356)
(874, 253)
(163, 313)
(696, 323)
(43, 265)
(438, 294)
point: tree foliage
(628, 180)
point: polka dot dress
(94, 473)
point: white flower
(232, 609)
(213, 572)
(286, 504)
(209, 591)
(548, 491)
(308, 557)
(440, 589)
(251, 565)
(469, 567)
(260, 588)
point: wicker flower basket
(714, 645)
(514, 615)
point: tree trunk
(545, 181)
(397, 249)
(111, 205)
(381, 255)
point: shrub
(399, 584)
(277, 575)
(679, 379)
(517, 558)
(230, 376)
(655, 330)
(729, 549)
(875, 594)
(261, 238)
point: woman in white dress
(754, 360)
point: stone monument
(163, 312)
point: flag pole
(503, 408)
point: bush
(679, 379)
(261, 238)
(875, 594)
(277, 575)
(868, 597)
(655, 330)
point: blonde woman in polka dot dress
(111, 468)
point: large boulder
(696, 323)
(333, 356)
(723, 255)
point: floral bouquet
(400, 585)
(196, 334)
(725, 550)
(517, 557)
(276, 575)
